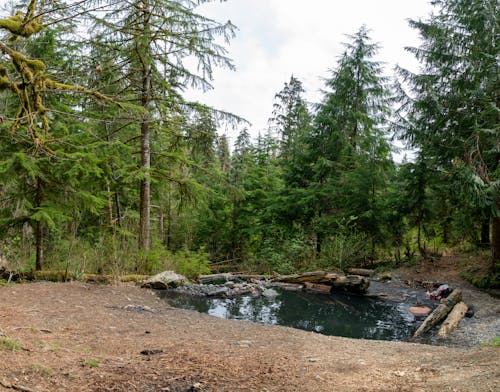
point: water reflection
(337, 314)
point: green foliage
(318, 189)
(481, 279)
(10, 344)
(191, 264)
(91, 363)
(344, 250)
(492, 343)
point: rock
(151, 352)
(269, 293)
(216, 291)
(420, 310)
(164, 280)
(138, 308)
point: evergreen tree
(43, 163)
(152, 40)
(348, 146)
(454, 104)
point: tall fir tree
(454, 102)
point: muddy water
(383, 315)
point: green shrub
(191, 264)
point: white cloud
(278, 38)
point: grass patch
(42, 370)
(10, 344)
(53, 346)
(92, 363)
(492, 343)
(5, 282)
(85, 349)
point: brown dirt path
(80, 337)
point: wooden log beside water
(226, 277)
(453, 319)
(361, 271)
(440, 312)
(340, 282)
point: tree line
(105, 166)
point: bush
(191, 264)
(344, 250)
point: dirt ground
(87, 337)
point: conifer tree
(454, 102)
(348, 146)
(152, 40)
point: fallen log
(440, 312)
(453, 319)
(351, 283)
(227, 277)
(317, 288)
(361, 271)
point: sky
(279, 38)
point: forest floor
(88, 337)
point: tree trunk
(118, 209)
(485, 232)
(145, 187)
(495, 244)
(161, 225)
(39, 227)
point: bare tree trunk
(495, 244)
(39, 227)
(485, 232)
(118, 209)
(145, 187)
(161, 225)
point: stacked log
(337, 282)
(440, 312)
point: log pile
(453, 319)
(336, 282)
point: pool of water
(335, 314)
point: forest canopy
(107, 167)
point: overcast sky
(278, 38)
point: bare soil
(87, 337)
